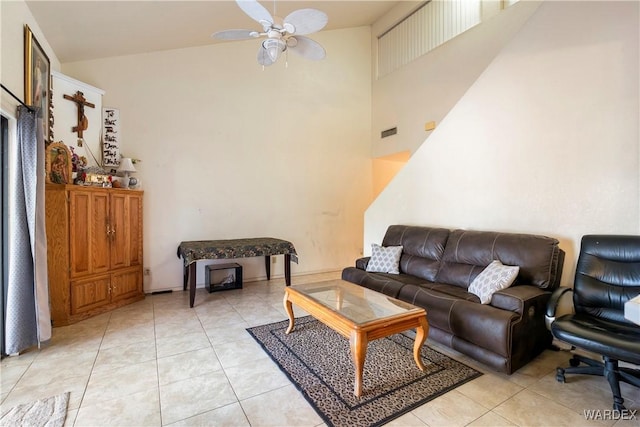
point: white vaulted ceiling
(82, 30)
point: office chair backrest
(607, 275)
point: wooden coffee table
(359, 314)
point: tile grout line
(224, 372)
(86, 386)
(155, 345)
(20, 376)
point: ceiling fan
(281, 34)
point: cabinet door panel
(80, 232)
(100, 235)
(94, 242)
(135, 230)
(126, 284)
(120, 230)
(89, 294)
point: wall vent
(388, 132)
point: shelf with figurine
(65, 166)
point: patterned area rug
(49, 412)
(318, 361)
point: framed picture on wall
(37, 79)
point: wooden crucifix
(81, 102)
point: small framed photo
(58, 163)
(97, 180)
(37, 80)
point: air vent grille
(388, 132)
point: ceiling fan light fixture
(282, 35)
(274, 48)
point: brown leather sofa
(437, 266)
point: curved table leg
(421, 335)
(358, 343)
(289, 308)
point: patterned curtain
(28, 319)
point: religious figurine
(58, 173)
(78, 163)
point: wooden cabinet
(94, 244)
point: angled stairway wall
(545, 141)
(426, 89)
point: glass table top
(356, 303)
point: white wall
(229, 150)
(426, 89)
(66, 117)
(13, 16)
(545, 141)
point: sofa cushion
(437, 304)
(451, 290)
(384, 259)
(380, 282)
(468, 252)
(482, 325)
(423, 248)
(492, 279)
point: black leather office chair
(607, 276)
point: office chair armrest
(554, 303)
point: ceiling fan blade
(256, 11)
(306, 47)
(263, 57)
(235, 34)
(306, 21)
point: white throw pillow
(492, 279)
(385, 259)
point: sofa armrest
(361, 263)
(519, 298)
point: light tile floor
(159, 362)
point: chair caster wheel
(560, 375)
(619, 407)
(574, 362)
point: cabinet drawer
(89, 293)
(126, 283)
